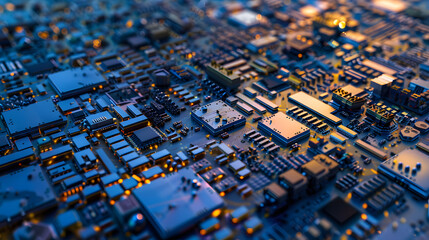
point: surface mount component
(177, 202)
(283, 128)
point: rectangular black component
(39, 68)
(32, 193)
(105, 159)
(57, 154)
(75, 81)
(14, 159)
(340, 210)
(111, 64)
(133, 124)
(28, 120)
(145, 137)
(100, 121)
(157, 198)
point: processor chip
(283, 128)
(340, 210)
(43, 115)
(173, 204)
(75, 81)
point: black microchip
(21, 122)
(23, 143)
(39, 68)
(145, 137)
(68, 105)
(137, 41)
(274, 83)
(340, 210)
(111, 64)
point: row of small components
(214, 88)
(261, 141)
(166, 101)
(308, 119)
(280, 165)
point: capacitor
(418, 165)
(407, 168)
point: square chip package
(26, 190)
(283, 128)
(75, 81)
(340, 210)
(30, 119)
(177, 202)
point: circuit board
(199, 119)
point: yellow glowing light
(216, 213)
(96, 43)
(10, 7)
(342, 25)
(43, 35)
(19, 29)
(129, 24)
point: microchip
(99, 120)
(340, 210)
(245, 19)
(137, 41)
(354, 90)
(145, 137)
(31, 192)
(39, 68)
(80, 142)
(273, 83)
(217, 117)
(173, 205)
(75, 81)
(283, 128)
(68, 105)
(23, 143)
(111, 64)
(28, 120)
